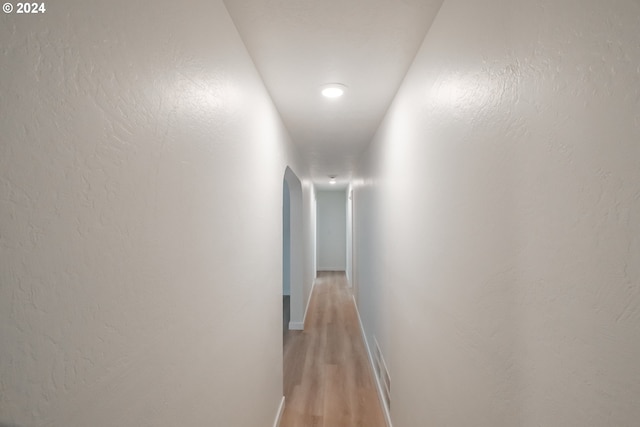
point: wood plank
(327, 379)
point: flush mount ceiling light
(333, 90)
(332, 181)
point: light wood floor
(327, 378)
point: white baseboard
(276, 423)
(306, 309)
(387, 415)
(299, 326)
(296, 326)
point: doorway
(286, 257)
(292, 252)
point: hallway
(327, 378)
(488, 157)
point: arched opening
(286, 257)
(292, 252)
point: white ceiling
(299, 45)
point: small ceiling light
(333, 90)
(332, 181)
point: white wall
(286, 239)
(332, 230)
(498, 219)
(349, 236)
(310, 230)
(141, 169)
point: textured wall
(349, 237)
(141, 167)
(498, 219)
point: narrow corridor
(327, 378)
(487, 156)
